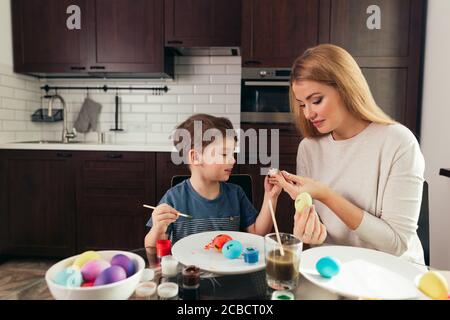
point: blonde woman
(364, 170)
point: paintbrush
(180, 214)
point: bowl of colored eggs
(96, 275)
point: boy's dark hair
(223, 125)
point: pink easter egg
(93, 268)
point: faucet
(66, 135)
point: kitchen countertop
(87, 146)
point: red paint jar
(163, 248)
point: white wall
(436, 128)
(19, 95)
(5, 33)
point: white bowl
(121, 290)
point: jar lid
(147, 275)
(167, 290)
(145, 289)
(283, 295)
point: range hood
(208, 51)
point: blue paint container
(251, 255)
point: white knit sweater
(381, 171)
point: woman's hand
(294, 185)
(271, 189)
(163, 216)
(308, 228)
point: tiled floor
(24, 280)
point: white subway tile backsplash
(7, 114)
(177, 108)
(226, 60)
(233, 108)
(229, 99)
(162, 118)
(193, 79)
(132, 98)
(209, 89)
(233, 89)
(146, 108)
(14, 125)
(201, 85)
(162, 99)
(226, 79)
(209, 108)
(193, 99)
(210, 69)
(234, 69)
(6, 92)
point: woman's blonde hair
(333, 66)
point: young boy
(214, 204)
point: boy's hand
(163, 216)
(271, 189)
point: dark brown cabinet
(111, 189)
(202, 23)
(42, 41)
(38, 203)
(275, 32)
(126, 36)
(386, 39)
(116, 37)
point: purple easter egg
(93, 268)
(126, 263)
(110, 275)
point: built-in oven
(265, 96)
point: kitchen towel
(88, 117)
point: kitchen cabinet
(202, 23)
(111, 189)
(275, 32)
(389, 51)
(42, 41)
(38, 202)
(115, 38)
(126, 36)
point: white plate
(190, 251)
(364, 273)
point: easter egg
(328, 267)
(81, 260)
(110, 275)
(126, 263)
(93, 268)
(232, 249)
(273, 172)
(303, 201)
(87, 285)
(434, 285)
(69, 277)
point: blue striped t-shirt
(230, 211)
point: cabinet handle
(98, 68)
(114, 156)
(77, 68)
(252, 62)
(64, 155)
(175, 42)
